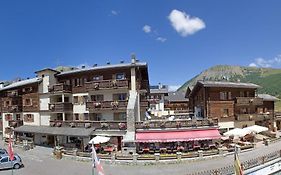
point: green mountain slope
(269, 79)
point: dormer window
(98, 77)
(120, 76)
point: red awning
(177, 136)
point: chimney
(108, 63)
(133, 58)
(1, 85)
(95, 65)
(83, 67)
(160, 86)
(122, 61)
(27, 78)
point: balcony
(253, 117)
(61, 107)
(106, 84)
(102, 125)
(30, 108)
(103, 105)
(183, 123)
(245, 101)
(144, 104)
(60, 88)
(15, 123)
(12, 109)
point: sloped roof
(21, 83)
(122, 65)
(157, 90)
(228, 84)
(55, 130)
(178, 96)
(267, 97)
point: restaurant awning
(62, 131)
(177, 136)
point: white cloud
(174, 87)
(253, 65)
(161, 39)
(146, 28)
(262, 62)
(113, 12)
(184, 24)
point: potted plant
(122, 126)
(104, 125)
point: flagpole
(93, 159)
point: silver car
(6, 163)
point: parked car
(6, 163)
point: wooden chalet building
(233, 104)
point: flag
(10, 149)
(238, 170)
(96, 162)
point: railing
(30, 108)
(12, 94)
(144, 104)
(226, 119)
(183, 123)
(253, 117)
(106, 84)
(104, 125)
(60, 107)
(245, 164)
(241, 101)
(15, 123)
(13, 108)
(60, 88)
(142, 85)
(107, 105)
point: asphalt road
(40, 161)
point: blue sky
(178, 39)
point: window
(75, 99)
(97, 98)
(4, 160)
(223, 95)
(95, 116)
(7, 103)
(28, 102)
(120, 76)
(86, 116)
(241, 94)
(98, 77)
(8, 117)
(225, 112)
(76, 116)
(229, 96)
(120, 97)
(18, 117)
(120, 116)
(28, 118)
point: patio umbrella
(256, 128)
(99, 139)
(237, 132)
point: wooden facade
(230, 101)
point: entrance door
(51, 140)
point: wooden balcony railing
(144, 104)
(15, 123)
(12, 94)
(157, 124)
(242, 101)
(61, 107)
(106, 84)
(104, 125)
(60, 88)
(13, 108)
(31, 108)
(253, 117)
(106, 105)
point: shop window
(225, 112)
